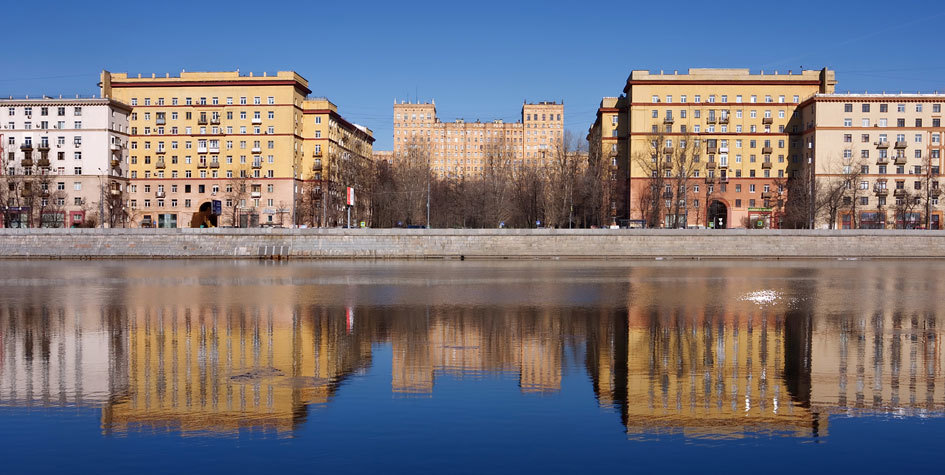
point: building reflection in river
(719, 351)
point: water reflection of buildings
(469, 342)
(68, 355)
(683, 355)
(726, 367)
(220, 370)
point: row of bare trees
(823, 197)
(563, 191)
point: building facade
(712, 147)
(606, 142)
(462, 148)
(64, 162)
(243, 139)
(876, 157)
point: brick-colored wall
(419, 244)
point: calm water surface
(770, 367)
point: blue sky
(477, 59)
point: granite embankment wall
(454, 243)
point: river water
(562, 367)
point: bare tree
(653, 164)
(929, 187)
(907, 203)
(235, 193)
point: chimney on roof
(265, 74)
(167, 75)
(250, 74)
(153, 75)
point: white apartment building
(64, 161)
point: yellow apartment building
(607, 142)
(711, 147)
(885, 150)
(250, 141)
(463, 148)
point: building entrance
(718, 215)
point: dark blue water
(471, 367)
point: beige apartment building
(709, 147)
(462, 148)
(63, 162)
(257, 143)
(878, 155)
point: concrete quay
(468, 243)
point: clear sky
(477, 59)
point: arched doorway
(718, 215)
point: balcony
(201, 149)
(115, 163)
(27, 147)
(710, 165)
(667, 165)
(215, 149)
(881, 144)
(257, 121)
(899, 192)
(767, 120)
(880, 190)
(317, 153)
(256, 150)
(766, 150)
(711, 149)
(202, 120)
(202, 164)
(26, 192)
(257, 164)
(160, 121)
(159, 194)
(710, 179)
(44, 163)
(114, 192)
(160, 151)
(215, 120)
(214, 164)
(710, 119)
(882, 161)
(723, 119)
(767, 195)
(766, 164)
(43, 148)
(667, 120)
(667, 195)
(901, 144)
(159, 163)
(317, 166)
(935, 192)
(900, 160)
(27, 163)
(667, 150)
(255, 194)
(116, 147)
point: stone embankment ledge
(469, 244)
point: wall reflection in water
(711, 351)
